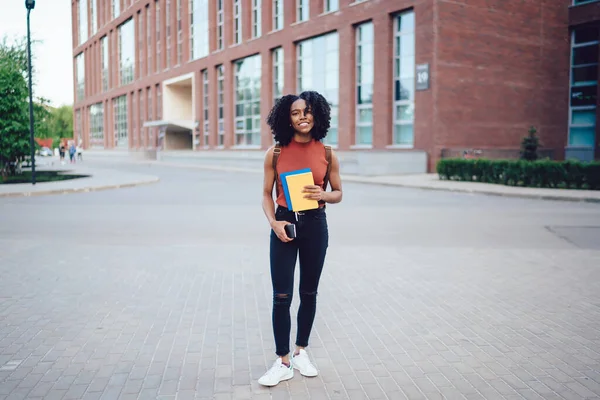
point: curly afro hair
(279, 116)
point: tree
(529, 145)
(61, 122)
(42, 116)
(14, 117)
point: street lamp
(30, 5)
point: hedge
(540, 173)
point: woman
(299, 123)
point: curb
(353, 179)
(79, 190)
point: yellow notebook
(295, 186)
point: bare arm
(268, 204)
(335, 196)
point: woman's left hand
(313, 192)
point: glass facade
(404, 79)
(105, 62)
(83, 21)
(364, 83)
(302, 10)
(80, 65)
(277, 15)
(318, 69)
(168, 32)
(94, 15)
(179, 48)
(127, 52)
(149, 63)
(277, 74)
(116, 8)
(120, 119)
(199, 28)
(256, 18)
(247, 101)
(220, 105)
(158, 42)
(205, 108)
(585, 42)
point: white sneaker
(302, 363)
(278, 372)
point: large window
(158, 45)
(105, 62)
(364, 84)
(247, 101)
(168, 32)
(237, 21)
(80, 65)
(205, 108)
(120, 116)
(318, 69)
(127, 52)
(179, 33)
(302, 11)
(277, 15)
(116, 8)
(256, 18)
(220, 24)
(199, 28)
(148, 41)
(584, 86)
(220, 105)
(331, 5)
(83, 21)
(94, 16)
(404, 79)
(277, 74)
(97, 124)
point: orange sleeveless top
(299, 156)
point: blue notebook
(286, 191)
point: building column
(198, 101)
(213, 112)
(347, 87)
(229, 105)
(316, 8)
(382, 85)
(246, 20)
(289, 68)
(185, 32)
(266, 97)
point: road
(163, 291)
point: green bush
(539, 173)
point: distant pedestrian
(299, 123)
(61, 152)
(72, 151)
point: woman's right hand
(279, 229)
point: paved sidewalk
(418, 181)
(99, 179)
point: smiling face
(301, 118)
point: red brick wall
(501, 66)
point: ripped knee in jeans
(308, 297)
(282, 299)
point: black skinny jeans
(311, 245)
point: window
(179, 34)
(199, 28)
(120, 117)
(80, 65)
(140, 45)
(97, 124)
(219, 24)
(318, 69)
(277, 15)
(404, 79)
(247, 101)
(94, 16)
(148, 41)
(331, 5)
(83, 21)
(116, 8)
(256, 18)
(584, 86)
(220, 105)
(105, 62)
(126, 52)
(151, 141)
(302, 10)
(237, 22)
(78, 128)
(364, 83)
(158, 46)
(277, 74)
(205, 109)
(168, 27)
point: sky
(50, 22)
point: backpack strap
(276, 153)
(326, 178)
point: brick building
(409, 81)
